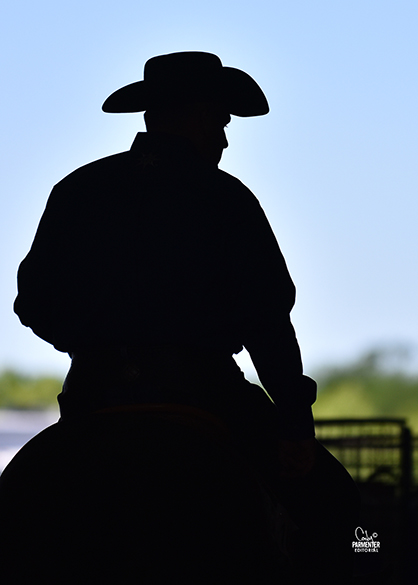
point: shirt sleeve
(266, 298)
(41, 303)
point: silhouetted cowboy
(152, 267)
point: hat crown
(176, 66)
(183, 76)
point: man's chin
(218, 158)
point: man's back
(148, 246)
(155, 247)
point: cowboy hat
(186, 77)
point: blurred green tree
(376, 385)
(26, 392)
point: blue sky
(334, 164)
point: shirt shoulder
(235, 186)
(98, 170)
(239, 198)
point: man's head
(191, 94)
(202, 123)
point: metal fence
(372, 450)
(382, 457)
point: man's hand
(296, 458)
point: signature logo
(364, 542)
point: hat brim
(237, 92)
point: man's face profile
(202, 123)
(211, 139)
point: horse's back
(135, 497)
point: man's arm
(37, 276)
(266, 297)
(43, 300)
